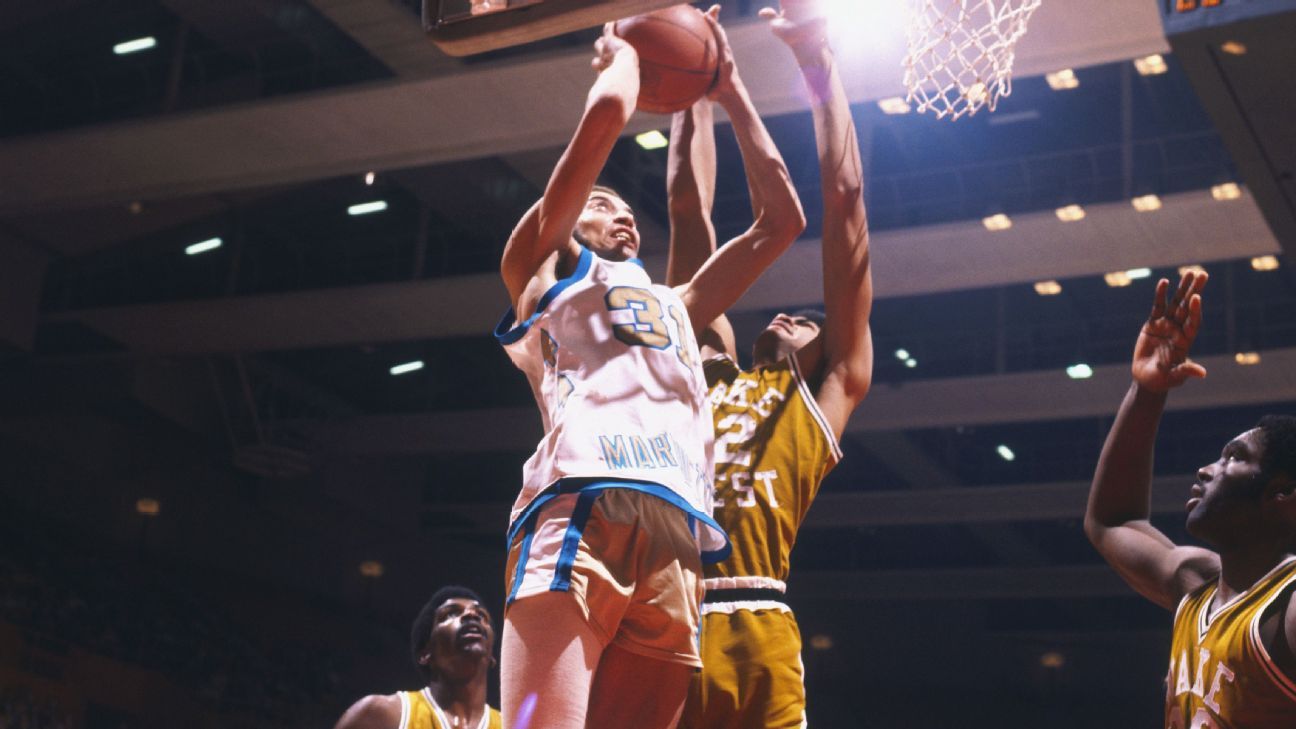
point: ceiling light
(210, 244)
(911, 363)
(1193, 268)
(999, 221)
(1146, 203)
(894, 105)
(1048, 288)
(1062, 80)
(1006, 453)
(1153, 65)
(821, 642)
(902, 354)
(1053, 660)
(369, 178)
(1117, 279)
(372, 569)
(1136, 273)
(1070, 213)
(135, 46)
(652, 140)
(1264, 263)
(148, 507)
(1080, 371)
(1226, 191)
(1247, 358)
(1233, 48)
(401, 369)
(377, 206)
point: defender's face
(462, 629)
(607, 227)
(784, 335)
(1226, 501)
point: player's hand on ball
(607, 47)
(727, 81)
(1161, 354)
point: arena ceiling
(261, 369)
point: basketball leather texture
(677, 57)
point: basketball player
(604, 570)
(451, 642)
(776, 423)
(1233, 649)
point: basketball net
(961, 53)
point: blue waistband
(586, 485)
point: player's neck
(463, 702)
(1241, 568)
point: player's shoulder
(376, 711)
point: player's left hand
(727, 81)
(607, 47)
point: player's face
(784, 335)
(607, 227)
(1225, 502)
(462, 630)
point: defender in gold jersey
(776, 423)
(451, 642)
(1233, 650)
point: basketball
(677, 57)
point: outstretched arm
(690, 190)
(777, 215)
(548, 225)
(848, 279)
(1119, 500)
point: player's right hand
(727, 81)
(607, 47)
(1161, 353)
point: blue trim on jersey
(583, 485)
(571, 541)
(506, 333)
(520, 570)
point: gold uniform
(1220, 674)
(772, 450)
(420, 711)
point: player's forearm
(775, 205)
(1122, 484)
(690, 187)
(847, 271)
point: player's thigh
(632, 690)
(549, 657)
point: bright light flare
(997, 222)
(135, 46)
(1006, 453)
(652, 140)
(1146, 203)
(401, 369)
(1264, 263)
(377, 206)
(1247, 358)
(1080, 371)
(1070, 213)
(1153, 65)
(1062, 80)
(894, 106)
(210, 244)
(1226, 191)
(902, 354)
(1048, 288)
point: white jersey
(615, 371)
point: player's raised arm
(547, 226)
(777, 215)
(690, 192)
(1120, 499)
(848, 280)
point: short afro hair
(422, 628)
(1278, 435)
(811, 314)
